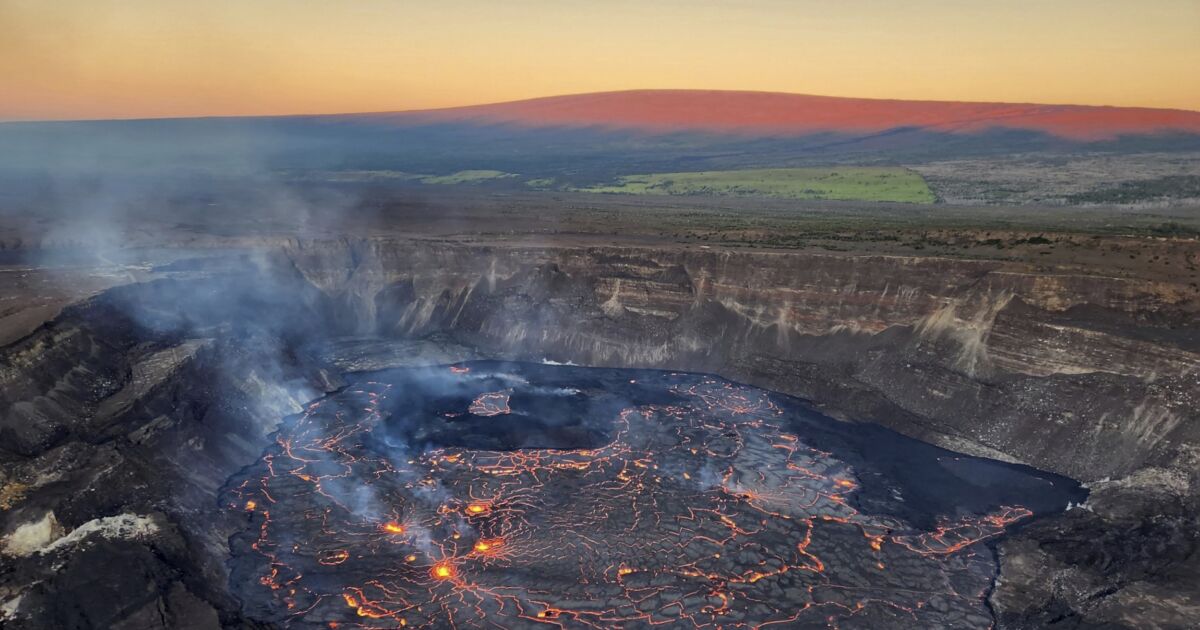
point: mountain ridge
(779, 113)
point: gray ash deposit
(517, 495)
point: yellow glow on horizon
(148, 58)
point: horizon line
(427, 110)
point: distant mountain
(774, 114)
(594, 137)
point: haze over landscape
(599, 315)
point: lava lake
(522, 494)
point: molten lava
(702, 511)
(490, 404)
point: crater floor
(507, 495)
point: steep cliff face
(119, 422)
(1086, 375)
(153, 394)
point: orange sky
(145, 58)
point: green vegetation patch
(541, 183)
(840, 183)
(465, 177)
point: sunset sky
(152, 58)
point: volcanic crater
(340, 433)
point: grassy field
(840, 183)
(465, 177)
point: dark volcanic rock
(113, 523)
(131, 580)
(1125, 562)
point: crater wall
(1085, 375)
(121, 418)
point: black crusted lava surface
(517, 495)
